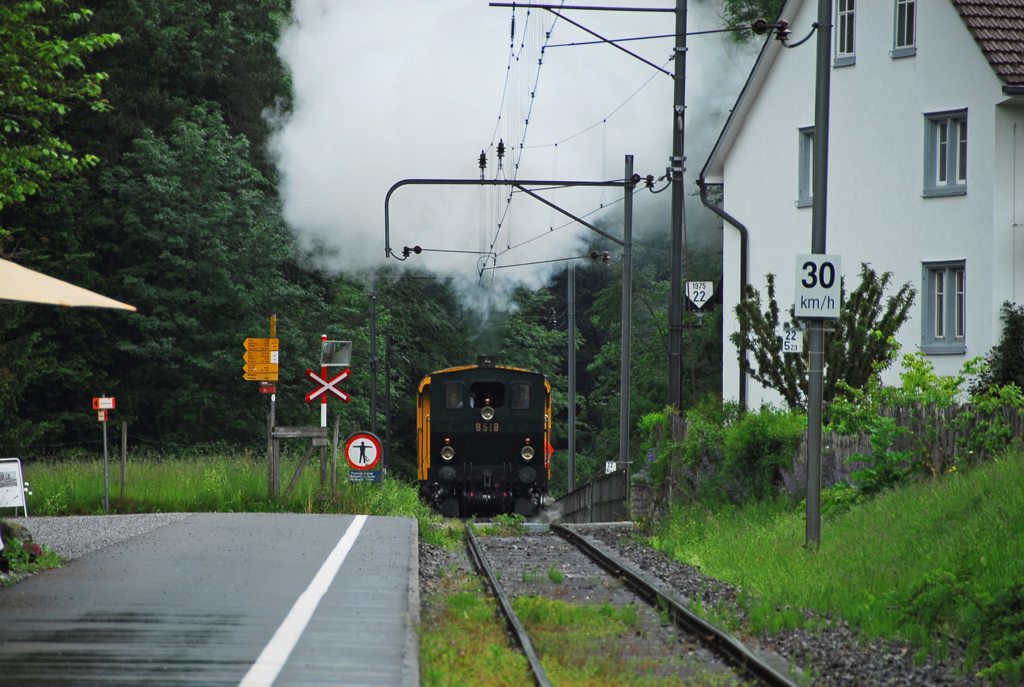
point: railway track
(566, 565)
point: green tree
(860, 343)
(200, 248)
(744, 12)
(42, 76)
(1004, 363)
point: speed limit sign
(818, 285)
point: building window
(904, 40)
(945, 159)
(944, 323)
(805, 189)
(845, 33)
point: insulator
(512, 35)
(606, 257)
(483, 160)
(501, 148)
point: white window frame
(846, 33)
(904, 36)
(944, 307)
(946, 145)
(805, 178)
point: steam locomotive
(483, 439)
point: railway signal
(333, 354)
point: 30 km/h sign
(818, 282)
(363, 451)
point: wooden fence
(599, 499)
(933, 436)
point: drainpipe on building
(743, 266)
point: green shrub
(759, 446)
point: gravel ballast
(827, 657)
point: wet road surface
(198, 601)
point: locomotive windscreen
(487, 394)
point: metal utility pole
(815, 380)
(387, 402)
(675, 326)
(627, 316)
(572, 376)
(373, 352)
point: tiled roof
(998, 28)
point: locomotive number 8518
(483, 439)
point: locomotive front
(483, 432)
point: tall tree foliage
(744, 12)
(859, 340)
(42, 76)
(198, 246)
(1005, 362)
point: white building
(926, 137)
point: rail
(506, 608)
(741, 655)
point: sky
(400, 89)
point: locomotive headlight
(447, 453)
(487, 412)
(526, 452)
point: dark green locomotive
(483, 436)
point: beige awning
(19, 283)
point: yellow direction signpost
(262, 344)
(260, 376)
(260, 368)
(261, 359)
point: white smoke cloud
(385, 91)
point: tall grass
(935, 555)
(213, 483)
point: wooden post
(334, 455)
(124, 459)
(298, 471)
(323, 465)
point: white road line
(273, 657)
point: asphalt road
(197, 602)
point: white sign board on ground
(818, 280)
(12, 486)
(792, 341)
(700, 292)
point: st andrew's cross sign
(328, 385)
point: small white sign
(818, 279)
(610, 466)
(792, 341)
(12, 485)
(700, 292)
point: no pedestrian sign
(363, 451)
